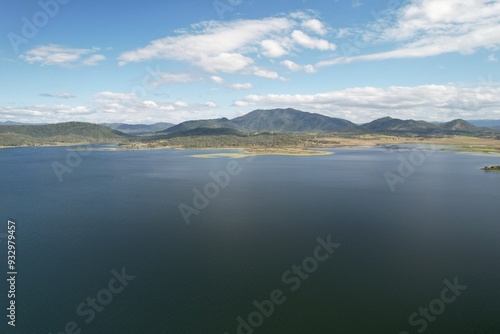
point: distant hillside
(71, 132)
(459, 125)
(290, 120)
(490, 123)
(394, 125)
(250, 128)
(10, 123)
(218, 123)
(138, 129)
(207, 132)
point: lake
(158, 241)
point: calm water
(120, 210)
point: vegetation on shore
(278, 131)
(279, 140)
(256, 142)
(491, 168)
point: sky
(171, 61)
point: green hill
(207, 132)
(389, 124)
(259, 127)
(459, 125)
(138, 129)
(399, 126)
(71, 132)
(218, 123)
(291, 120)
(296, 121)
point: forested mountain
(71, 132)
(291, 120)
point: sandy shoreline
(248, 153)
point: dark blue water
(120, 210)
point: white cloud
(344, 32)
(217, 80)
(266, 74)
(93, 60)
(209, 40)
(112, 107)
(53, 54)
(107, 96)
(242, 103)
(224, 62)
(170, 78)
(241, 86)
(272, 49)
(127, 107)
(59, 95)
(492, 58)
(149, 104)
(426, 28)
(314, 25)
(65, 96)
(428, 102)
(44, 113)
(296, 67)
(181, 104)
(361, 104)
(234, 46)
(311, 42)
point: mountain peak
(459, 125)
(290, 120)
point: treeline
(71, 132)
(261, 140)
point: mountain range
(138, 129)
(394, 125)
(292, 120)
(255, 122)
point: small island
(491, 168)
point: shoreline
(458, 144)
(248, 153)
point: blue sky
(152, 61)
